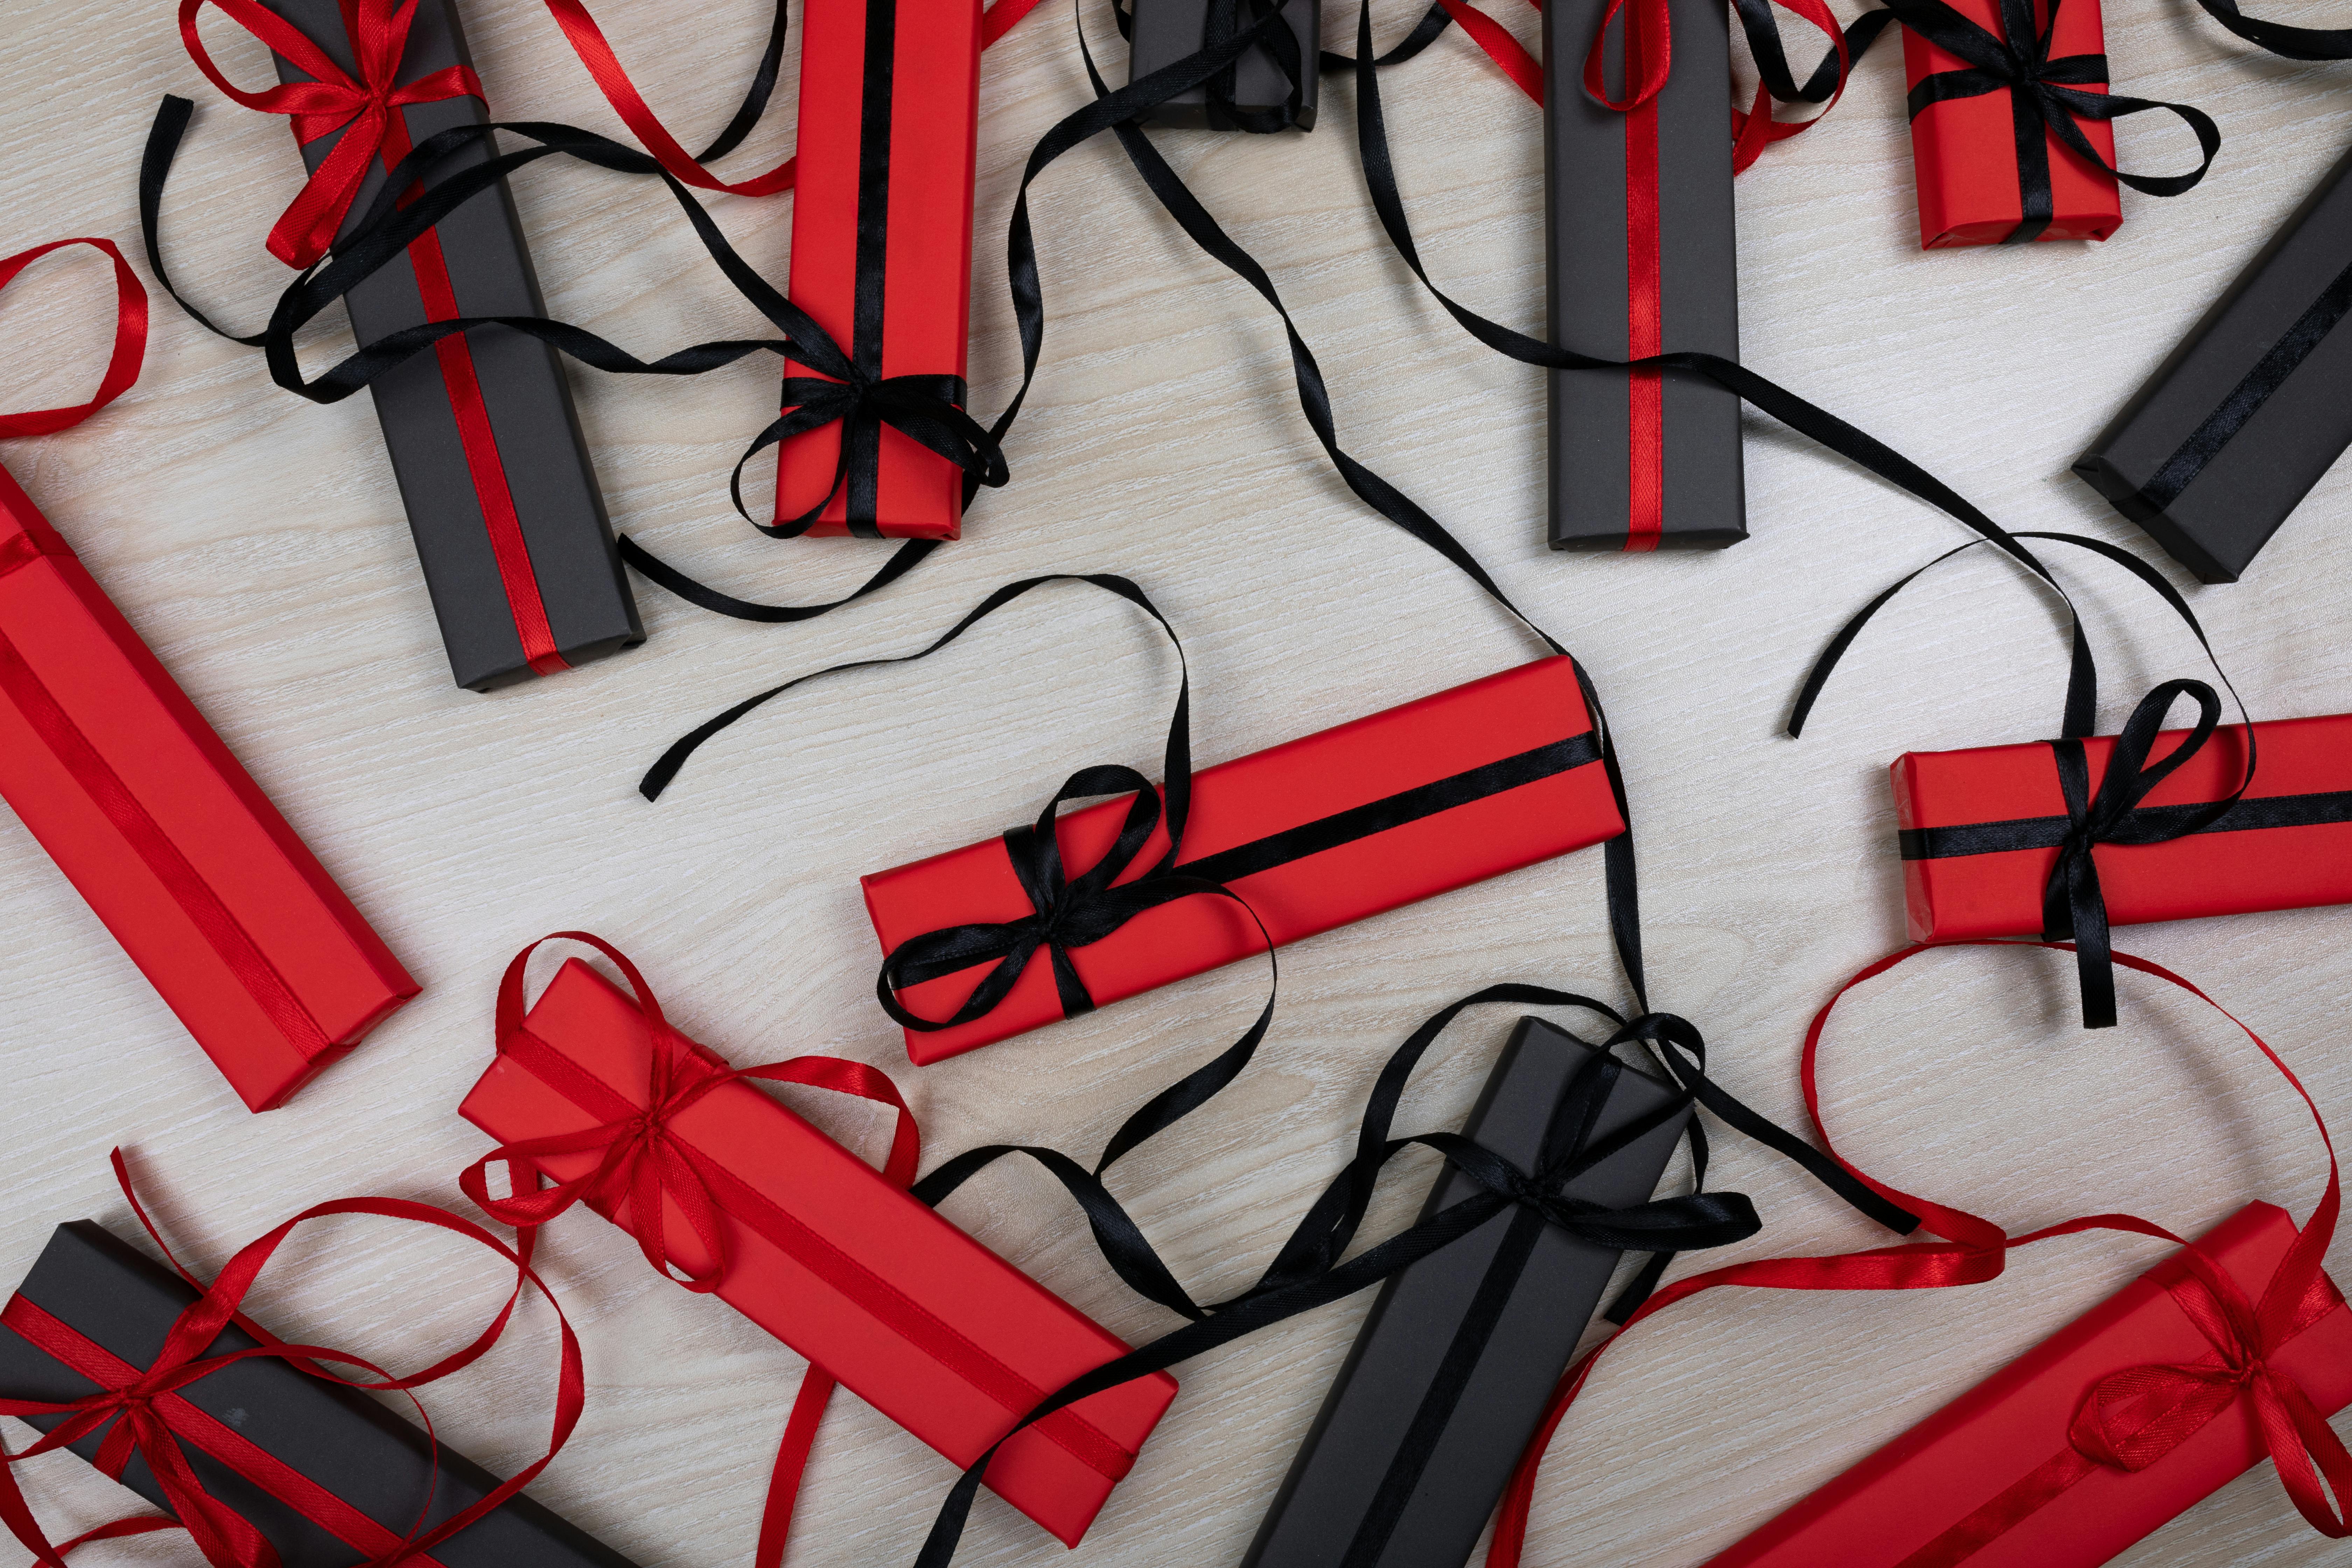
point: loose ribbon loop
(2046, 99)
(332, 101)
(130, 342)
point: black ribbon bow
(2045, 99)
(2072, 905)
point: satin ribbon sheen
(2127, 1420)
(643, 1162)
(364, 108)
(142, 1412)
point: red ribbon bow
(333, 100)
(150, 1420)
(640, 1162)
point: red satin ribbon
(143, 1411)
(589, 43)
(363, 109)
(643, 1160)
(49, 720)
(2130, 1419)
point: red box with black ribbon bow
(494, 472)
(904, 1309)
(1984, 832)
(1990, 163)
(882, 253)
(175, 848)
(2136, 1412)
(1334, 828)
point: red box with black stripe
(494, 471)
(1949, 803)
(105, 761)
(1316, 833)
(882, 248)
(906, 1311)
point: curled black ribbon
(2072, 906)
(2045, 99)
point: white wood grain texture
(257, 543)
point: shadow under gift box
(494, 472)
(167, 839)
(904, 1309)
(2254, 407)
(1964, 151)
(889, 127)
(376, 1466)
(1412, 802)
(1902, 1498)
(1392, 1475)
(1947, 803)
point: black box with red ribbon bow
(1641, 261)
(1451, 1372)
(494, 472)
(328, 1477)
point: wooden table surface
(257, 543)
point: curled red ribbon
(130, 342)
(148, 1419)
(2130, 1419)
(363, 109)
(641, 1163)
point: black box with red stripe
(335, 1438)
(494, 472)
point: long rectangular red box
(1947, 803)
(170, 841)
(1964, 150)
(1420, 799)
(889, 123)
(1993, 1438)
(907, 1264)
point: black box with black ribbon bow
(2252, 407)
(1255, 93)
(1449, 1376)
(327, 1476)
(494, 472)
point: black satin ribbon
(1311, 1269)
(861, 431)
(2287, 43)
(2319, 809)
(2045, 99)
(2219, 428)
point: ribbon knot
(360, 108)
(2072, 907)
(927, 409)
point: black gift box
(1600, 469)
(338, 1436)
(1383, 1391)
(588, 607)
(2242, 419)
(1167, 30)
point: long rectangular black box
(1355, 1474)
(2243, 417)
(1167, 30)
(337, 1436)
(1642, 461)
(482, 433)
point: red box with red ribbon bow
(1989, 168)
(2131, 1414)
(1316, 833)
(224, 908)
(1983, 831)
(882, 251)
(906, 1311)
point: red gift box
(906, 1311)
(882, 247)
(1965, 152)
(1962, 1485)
(1342, 824)
(105, 760)
(1955, 807)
